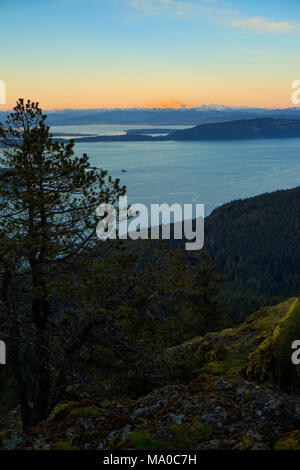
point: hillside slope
(255, 243)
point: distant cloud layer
(264, 25)
(215, 12)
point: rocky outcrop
(271, 361)
(234, 401)
(208, 413)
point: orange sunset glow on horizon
(126, 54)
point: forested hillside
(255, 242)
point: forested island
(245, 129)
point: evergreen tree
(48, 198)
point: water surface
(211, 173)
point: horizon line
(152, 108)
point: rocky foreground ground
(234, 401)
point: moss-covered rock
(290, 441)
(65, 445)
(143, 440)
(271, 360)
(85, 411)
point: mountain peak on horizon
(170, 103)
(167, 103)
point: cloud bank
(214, 12)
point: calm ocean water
(209, 173)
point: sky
(134, 53)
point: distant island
(243, 129)
(264, 128)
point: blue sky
(94, 53)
